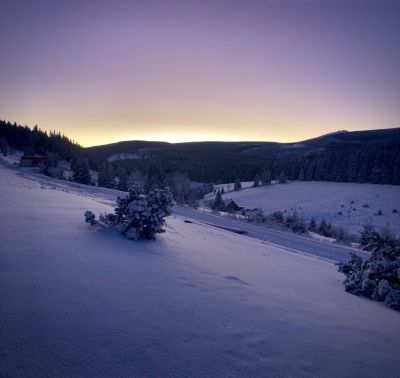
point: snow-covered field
(339, 203)
(77, 301)
(228, 187)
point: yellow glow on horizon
(96, 130)
(98, 139)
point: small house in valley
(32, 161)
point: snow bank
(79, 301)
(321, 237)
(221, 213)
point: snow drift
(77, 301)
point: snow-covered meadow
(348, 205)
(198, 301)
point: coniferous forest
(363, 157)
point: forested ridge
(36, 141)
(368, 156)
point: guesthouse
(32, 161)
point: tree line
(53, 145)
(377, 163)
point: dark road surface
(286, 240)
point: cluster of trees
(184, 191)
(377, 277)
(266, 178)
(372, 163)
(293, 221)
(296, 223)
(377, 164)
(56, 147)
(36, 141)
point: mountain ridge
(326, 141)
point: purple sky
(103, 71)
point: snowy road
(289, 241)
(285, 240)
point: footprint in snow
(236, 279)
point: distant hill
(357, 156)
(126, 147)
(339, 140)
(348, 139)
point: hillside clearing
(347, 205)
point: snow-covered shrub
(378, 277)
(372, 240)
(256, 216)
(138, 215)
(277, 216)
(295, 223)
(90, 217)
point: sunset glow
(102, 72)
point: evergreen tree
(105, 178)
(237, 186)
(266, 177)
(376, 175)
(138, 215)
(310, 171)
(301, 174)
(4, 148)
(378, 276)
(312, 225)
(81, 172)
(282, 179)
(181, 187)
(137, 178)
(277, 216)
(370, 240)
(219, 203)
(123, 181)
(323, 228)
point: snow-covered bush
(295, 223)
(277, 216)
(378, 277)
(138, 215)
(370, 238)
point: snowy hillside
(347, 205)
(77, 301)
